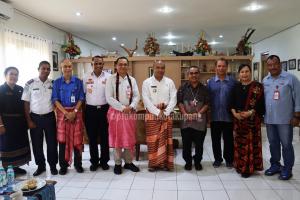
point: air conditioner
(6, 11)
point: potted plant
(151, 47)
(202, 47)
(71, 49)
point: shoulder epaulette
(30, 81)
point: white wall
(28, 25)
(285, 44)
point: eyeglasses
(192, 73)
(98, 63)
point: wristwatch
(251, 112)
(199, 115)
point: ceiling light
(220, 36)
(114, 38)
(166, 10)
(170, 43)
(78, 14)
(213, 42)
(169, 36)
(122, 44)
(253, 7)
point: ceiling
(127, 20)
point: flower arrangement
(151, 45)
(71, 48)
(244, 45)
(202, 45)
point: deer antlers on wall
(130, 52)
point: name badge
(154, 88)
(128, 92)
(89, 88)
(72, 99)
(276, 94)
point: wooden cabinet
(176, 66)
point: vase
(70, 56)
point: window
(24, 52)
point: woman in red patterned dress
(247, 108)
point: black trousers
(190, 135)
(62, 161)
(44, 124)
(96, 125)
(224, 129)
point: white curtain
(1, 52)
(24, 52)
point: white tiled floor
(210, 183)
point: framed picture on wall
(55, 60)
(150, 72)
(284, 65)
(256, 71)
(292, 64)
(298, 64)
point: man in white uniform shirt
(159, 97)
(122, 95)
(41, 118)
(95, 113)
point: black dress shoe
(79, 169)
(131, 167)
(53, 171)
(93, 167)
(217, 164)
(229, 165)
(198, 166)
(39, 171)
(63, 171)
(188, 166)
(152, 169)
(104, 166)
(19, 171)
(166, 169)
(245, 175)
(118, 169)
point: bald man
(67, 96)
(159, 97)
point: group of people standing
(106, 104)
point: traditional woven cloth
(70, 133)
(122, 129)
(160, 142)
(247, 136)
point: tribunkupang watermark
(147, 116)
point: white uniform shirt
(155, 92)
(124, 92)
(38, 93)
(94, 88)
